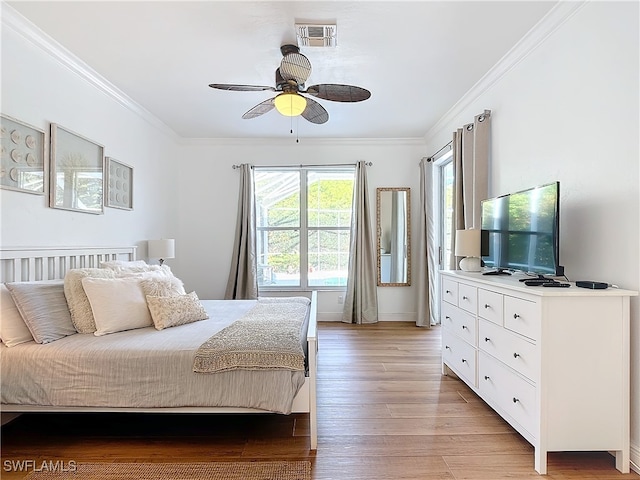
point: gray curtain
(361, 298)
(425, 254)
(243, 276)
(471, 175)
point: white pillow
(161, 286)
(81, 314)
(117, 303)
(13, 330)
(119, 264)
(176, 310)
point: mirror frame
(379, 192)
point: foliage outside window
(303, 226)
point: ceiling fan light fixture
(290, 104)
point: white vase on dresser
(553, 362)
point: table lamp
(162, 249)
(468, 246)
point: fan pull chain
(298, 129)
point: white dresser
(553, 362)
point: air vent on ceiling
(316, 35)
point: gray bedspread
(143, 368)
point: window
(303, 226)
(445, 190)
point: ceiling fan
(293, 72)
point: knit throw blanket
(266, 337)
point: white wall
(569, 112)
(208, 199)
(38, 89)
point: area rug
(298, 470)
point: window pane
(447, 214)
(329, 198)
(328, 257)
(277, 198)
(278, 258)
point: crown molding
(21, 26)
(553, 20)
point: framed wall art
(22, 165)
(77, 172)
(119, 185)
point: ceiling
(417, 58)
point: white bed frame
(51, 263)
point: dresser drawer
(450, 291)
(461, 323)
(490, 305)
(512, 394)
(459, 356)
(522, 316)
(468, 298)
(509, 348)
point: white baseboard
(384, 317)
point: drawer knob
(515, 400)
(464, 360)
(447, 291)
(486, 377)
(516, 316)
(516, 355)
(464, 297)
(486, 305)
(487, 339)
(447, 317)
(447, 347)
(464, 326)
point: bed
(144, 369)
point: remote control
(534, 282)
(556, 284)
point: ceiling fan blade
(260, 109)
(339, 93)
(295, 66)
(315, 113)
(241, 88)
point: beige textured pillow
(13, 330)
(79, 306)
(118, 304)
(161, 286)
(177, 310)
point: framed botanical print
(77, 172)
(22, 151)
(119, 185)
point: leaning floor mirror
(393, 218)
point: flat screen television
(521, 231)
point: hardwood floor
(384, 410)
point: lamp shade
(290, 104)
(165, 248)
(467, 243)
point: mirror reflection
(393, 212)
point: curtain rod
(368, 164)
(433, 157)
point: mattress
(142, 368)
